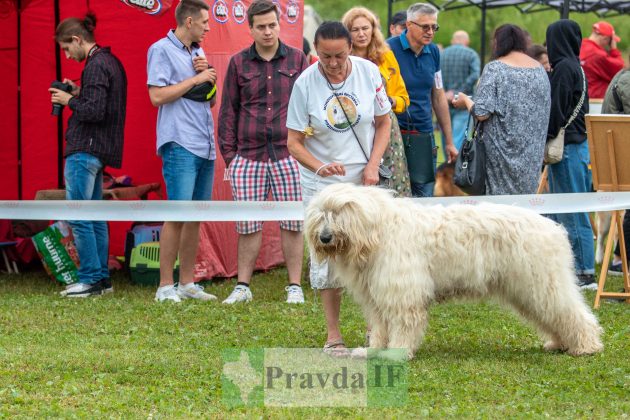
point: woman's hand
(330, 169)
(460, 100)
(370, 174)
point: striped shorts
(252, 180)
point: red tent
(32, 141)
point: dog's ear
(313, 219)
(359, 222)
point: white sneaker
(239, 294)
(165, 293)
(294, 294)
(193, 291)
(67, 289)
(82, 290)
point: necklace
(345, 78)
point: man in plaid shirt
(253, 141)
(94, 139)
(460, 70)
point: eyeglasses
(426, 28)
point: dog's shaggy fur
(396, 258)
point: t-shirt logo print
(336, 119)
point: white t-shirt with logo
(313, 103)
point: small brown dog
(444, 186)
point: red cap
(606, 29)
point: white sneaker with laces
(193, 291)
(294, 294)
(67, 289)
(239, 294)
(165, 293)
(82, 290)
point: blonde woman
(368, 43)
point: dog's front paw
(359, 353)
(394, 355)
(552, 345)
(377, 340)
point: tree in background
(469, 19)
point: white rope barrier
(223, 211)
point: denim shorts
(187, 176)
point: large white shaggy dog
(396, 258)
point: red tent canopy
(32, 142)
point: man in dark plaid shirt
(94, 140)
(460, 71)
(253, 141)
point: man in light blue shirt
(419, 60)
(177, 67)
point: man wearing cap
(398, 23)
(600, 58)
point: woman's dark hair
(536, 51)
(73, 26)
(332, 30)
(508, 38)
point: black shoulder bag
(470, 167)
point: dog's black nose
(325, 237)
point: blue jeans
(83, 174)
(459, 123)
(572, 175)
(187, 176)
(425, 190)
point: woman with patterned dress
(513, 100)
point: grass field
(122, 355)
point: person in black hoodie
(572, 173)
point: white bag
(555, 147)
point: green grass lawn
(122, 355)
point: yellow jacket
(394, 83)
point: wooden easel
(542, 184)
(603, 132)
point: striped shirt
(97, 123)
(253, 115)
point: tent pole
(389, 16)
(19, 98)
(60, 182)
(564, 13)
(483, 33)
